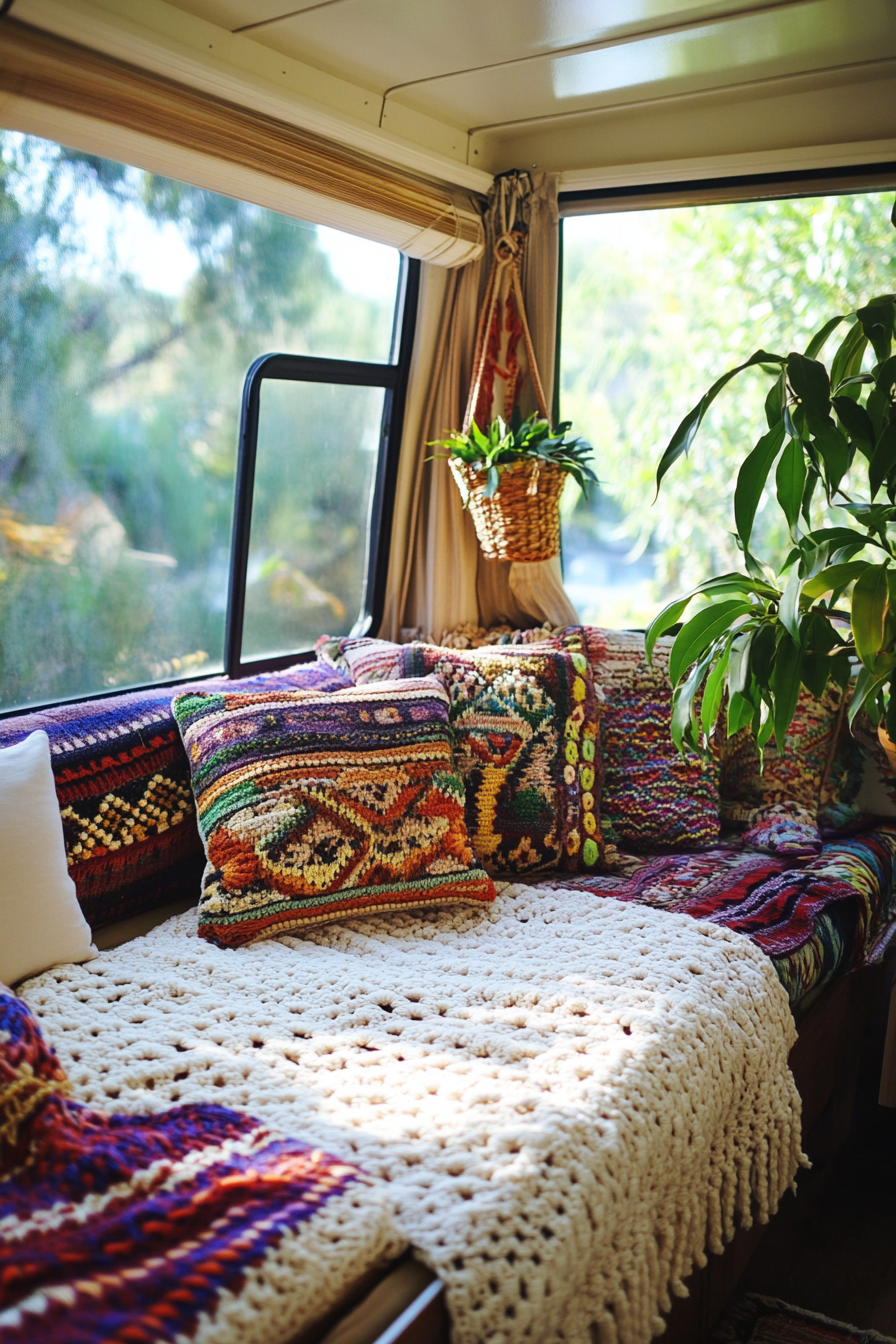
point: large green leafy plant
(503, 444)
(759, 635)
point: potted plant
(831, 606)
(511, 477)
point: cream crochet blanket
(571, 1098)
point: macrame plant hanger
(521, 522)
(507, 258)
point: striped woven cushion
(123, 786)
(654, 797)
(318, 806)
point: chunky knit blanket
(571, 1098)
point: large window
(655, 305)
(131, 309)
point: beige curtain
(438, 578)
(62, 90)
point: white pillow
(41, 924)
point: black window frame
(393, 379)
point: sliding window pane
(314, 477)
(656, 305)
(131, 307)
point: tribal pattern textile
(814, 919)
(315, 806)
(196, 1223)
(653, 797)
(527, 743)
(785, 828)
(123, 786)
(820, 769)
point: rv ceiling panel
(514, 62)
(384, 43)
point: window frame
(393, 379)
(792, 184)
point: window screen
(131, 308)
(656, 304)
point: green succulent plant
(503, 444)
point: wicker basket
(515, 524)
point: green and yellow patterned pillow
(527, 742)
(313, 807)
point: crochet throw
(572, 1099)
(197, 1223)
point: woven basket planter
(515, 524)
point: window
(131, 309)
(656, 304)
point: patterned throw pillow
(317, 806)
(123, 786)
(194, 1222)
(527, 739)
(653, 797)
(816, 779)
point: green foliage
(521, 440)
(763, 636)
(119, 412)
(655, 305)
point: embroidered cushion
(527, 738)
(123, 787)
(317, 806)
(196, 1222)
(653, 797)
(817, 779)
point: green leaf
(856, 421)
(683, 719)
(812, 479)
(668, 617)
(885, 375)
(834, 452)
(776, 401)
(785, 685)
(789, 608)
(848, 360)
(867, 685)
(809, 380)
(700, 631)
(685, 433)
(740, 713)
(836, 576)
(818, 340)
(877, 319)
(790, 478)
(712, 694)
(883, 459)
(739, 662)
(870, 603)
(752, 477)
(762, 654)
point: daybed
(565, 1096)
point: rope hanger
(507, 256)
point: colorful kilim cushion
(314, 807)
(123, 786)
(653, 797)
(784, 828)
(196, 1223)
(820, 771)
(527, 741)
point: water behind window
(131, 307)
